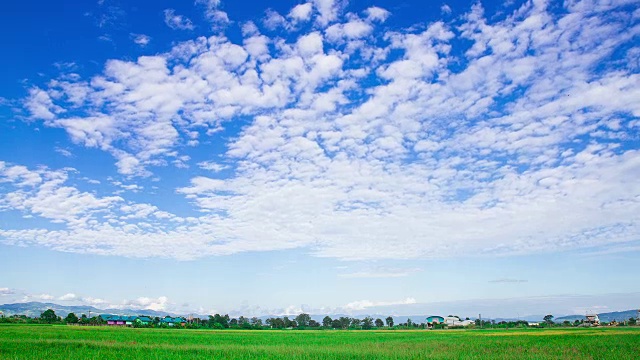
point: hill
(604, 317)
(34, 309)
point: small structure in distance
(592, 320)
(434, 320)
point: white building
(456, 321)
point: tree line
(302, 321)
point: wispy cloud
(381, 272)
(176, 21)
(141, 39)
(508, 281)
(6, 291)
(63, 152)
(212, 166)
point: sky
(324, 156)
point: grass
(64, 342)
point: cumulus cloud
(68, 297)
(213, 13)
(93, 301)
(157, 304)
(486, 135)
(375, 13)
(301, 12)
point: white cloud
(212, 166)
(175, 21)
(63, 152)
(380, 145)
(141, 39)
(157, 304)
(68, 297)
(328, 11)
(364, 304)
(41, 192)
(38, 297)
(273, 20)
(93, 301)
(375, 13)
(6, 291)
(301, 12)
(446, 9)
(213, 13)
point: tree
(49, 316)
(344, 322)
(313, 323)
(336, 324)
(303, 320)
(367, 323)
(71, 318)
(548, 319)
(389, 321)
(275, 323)
(355, 323)
(326, 322)
(222, 321)
(379, 323)
(287, 322)
(256, 323)
(632, 321)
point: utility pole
(480, 317)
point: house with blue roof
(173, 321)
(144, 320)
(117, 320)
(433, 320)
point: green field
(65, 342)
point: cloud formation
(481, 135)
(178, 22)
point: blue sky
(323, 156)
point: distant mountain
(604, 317)
(34, 309)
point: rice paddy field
(65, 342)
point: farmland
(62, 342)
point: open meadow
(64, 342)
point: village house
(173, 321)
(456, 321)
(592, 320)
(434, 319)
(117, 320)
